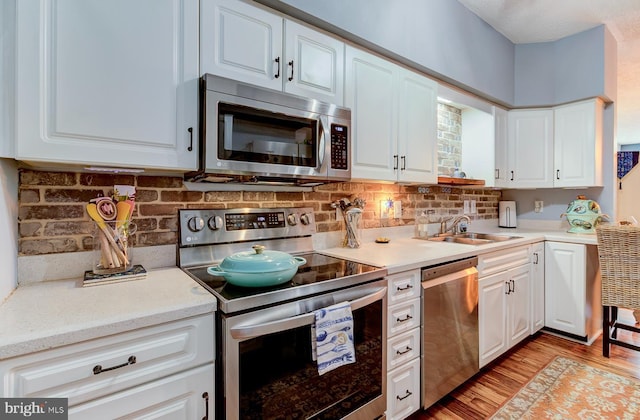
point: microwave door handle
(228, 131)
(251, 331)
(321, 150)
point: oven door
(268, 371)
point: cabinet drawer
(503, 260)
(403, 286)
(68, 372)
(403, 391)
(186, 395)
(402, 348)
(403, 317)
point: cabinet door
(537, 287)
(370, 93)
(314, 64)
(403, 391)
(417, 129)
(492, 316)
(500, 117)
(109, 83)
(565, 295)
(530, 148)
(186, 395)
(242, 42)
(519, 317)
(578, 144)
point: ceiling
(528, 21)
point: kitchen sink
(473, 238)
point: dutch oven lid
(259, 261)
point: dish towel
(332, 342)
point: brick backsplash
(52, 216)
(449, 139)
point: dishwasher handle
(436, 271)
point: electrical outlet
(397, 209)
(538, 206)
(473, 207)
(384, 209)
(467, 207)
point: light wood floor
(496, 383)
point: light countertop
(50, 314)
(403, 254)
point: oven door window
(252, 135)
(279, 379)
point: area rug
(568, 389)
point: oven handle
(251, 331)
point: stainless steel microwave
(256, 134)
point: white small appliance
(507, 214)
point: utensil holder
(113, 252)
(352, 219)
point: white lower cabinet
(178, 396)
(572, 290)
(403, 344)
(537, 287)
(403, 390)
(160, 369)
(503, 302)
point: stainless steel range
(264, 362)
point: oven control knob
(215, 223)
(291, 219)
(304, 219)
(195, 224)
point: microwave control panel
(339, 147)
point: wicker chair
(619, 255)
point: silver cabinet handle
(250, 331)
(395, 162)
(404, 163)
(407, 287)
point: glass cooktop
(320, 274)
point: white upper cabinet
(530, 148)
(556, 147)
(500, 118)
(417, 128)
(393, 120)
(247, 43)
(578, 144)
(108, 83)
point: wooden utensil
(93, 213)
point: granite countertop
(403, 254)
(50, 314)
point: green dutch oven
(257, 268)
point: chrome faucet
(454, 224)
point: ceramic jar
(583, 215)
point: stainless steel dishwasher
(449, 327)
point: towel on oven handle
(332, 337)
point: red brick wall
(52, 216)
